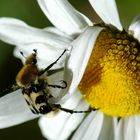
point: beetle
(35, 87)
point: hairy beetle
(35, 87)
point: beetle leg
(58, 86)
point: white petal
(107, 131)
(128, 129)
(58, 32)
(134, 28)
(63, 15)
(16, 32)
(107, 10)
(63, 124)
(56, 79)
(46, 54)
(137, 127)
(67, 76)
(14, 110)
(90, 127)
(81, 50)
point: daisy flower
(105, 65)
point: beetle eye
(34, 61)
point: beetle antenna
(35, 51)
(23, 54)
(51, 65)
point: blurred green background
(30, 12)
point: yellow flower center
(111, 81)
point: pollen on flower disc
(111, 81)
